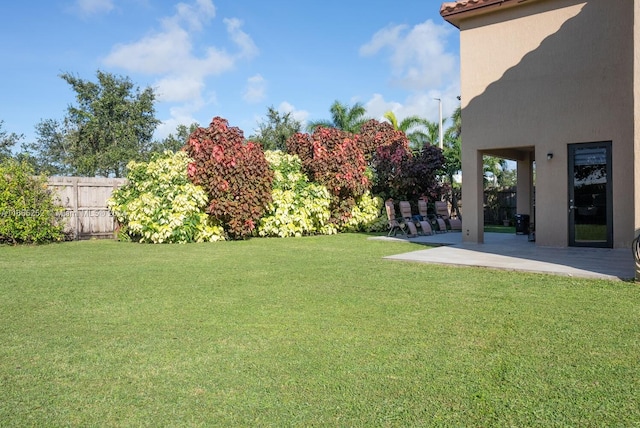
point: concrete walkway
(515, 252)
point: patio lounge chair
(422, 210)
(442, 211)
(395, 226)
(409, 218)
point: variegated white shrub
(159, 204)
(298, 207)
(366, 215)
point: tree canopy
(273, 133)
(343, 117)
(111, 124)
(7, 141)
(419, 130)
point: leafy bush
(366, 215)
(400, 174)
(421, 177)
(298, 207)
(160, 205)
(235, 175)
(374, 134)
(389, 163)
(334, 159)
(27, 208)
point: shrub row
(220, 186)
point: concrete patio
(515, 252)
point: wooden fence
(85, 201)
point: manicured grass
(499, 229)
(317, 331)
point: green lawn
(499, 229)
(316, 331)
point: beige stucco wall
(543, 75)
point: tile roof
(454, 10)
(464, 5)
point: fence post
(76, 232)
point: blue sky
(231, 58)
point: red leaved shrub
(333, 158)
(401, 175)
(235, 175)
(374, 134)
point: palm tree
(452, 149)
(343, 117)
(452, 153)
(427, 132)
(456, 117)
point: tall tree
(452, 147)
(48, 154)
(274, 132)
(343, 117)
(111, 124)
(452, 153)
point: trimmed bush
(160, 204)
(235, 175)
(28, 212)
(298, 207)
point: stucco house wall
(538, 76)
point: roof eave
(455, 12)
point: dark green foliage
(49, 154)
(7, 141)
(333, 158)
(235, 175)
(276, 130)
(111, 124)
(27, 209)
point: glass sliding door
(590, 201)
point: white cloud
(169, 53)
(179, 88)
(420, 63)
(93, 7)
(299, 115)
(422, 104)
(194, 15)
(377, 106)
(180, 115)
(418, 55)
(255, 90)
(248, 49)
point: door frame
(571, 148)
